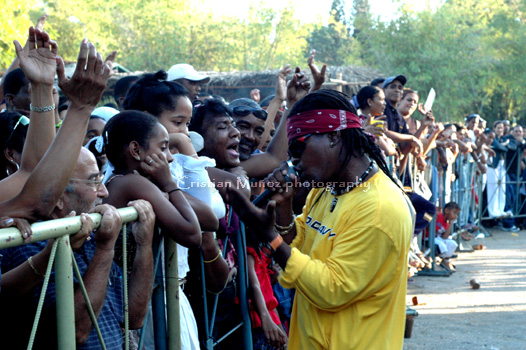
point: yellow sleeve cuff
(295, 265)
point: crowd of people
(344, 186)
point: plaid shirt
(111, 316)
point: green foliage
(15, 23)
(470, 51)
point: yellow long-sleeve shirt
(349, 268)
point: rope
(125, 282)
(42, 295)
(88, 303)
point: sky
(385, 9)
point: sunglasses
(22, 120)
(297, 147)
(243, 111)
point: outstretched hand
(281, 87)
(297, 88)
(38, 62)
(317, 75)
(88, 82)
(261, 221)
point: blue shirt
(111, 316)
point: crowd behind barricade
(353, 187)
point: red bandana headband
(320, 121)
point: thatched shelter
(238, 84)
(234, 85)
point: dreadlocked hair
(356, 142)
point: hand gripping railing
(60, 230)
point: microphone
(267, 193)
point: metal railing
(60, 230)
(165, 296)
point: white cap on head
(186, 71)
(104, 112)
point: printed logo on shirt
(322, 229)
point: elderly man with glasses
(94, 253)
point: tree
(333, 43)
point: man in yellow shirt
(348, 257)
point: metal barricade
(509, 185)
(60, 230)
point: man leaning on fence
(94, 253)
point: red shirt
(260, 266)
(441, 224)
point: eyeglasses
(297, 147)
(243, 111)
(96, 183)
(22, 120)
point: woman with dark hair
(13, 131)
(137, 146)
(166, 100)
(348, 260)
(371, 101)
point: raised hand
(88, 82)
(255, 95)
(422, 109)
(428, 119)
(41, 21)
(297, 88)
(281, 87)
(317, 75)
(39, 61)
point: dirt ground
(459, 317)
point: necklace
(349, 188)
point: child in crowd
(444, 227)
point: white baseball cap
(104, 112)
(186, 71)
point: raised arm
(38, 62)
(16, 62)
(260, 165)
(49, 179)
(275, 104)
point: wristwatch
(270, 248)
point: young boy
(444, 226)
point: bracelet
(214, 259)
(175, 189)
(281, 233)
(59, 124)
(284, 228)
(42, 109)
(35, 271)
